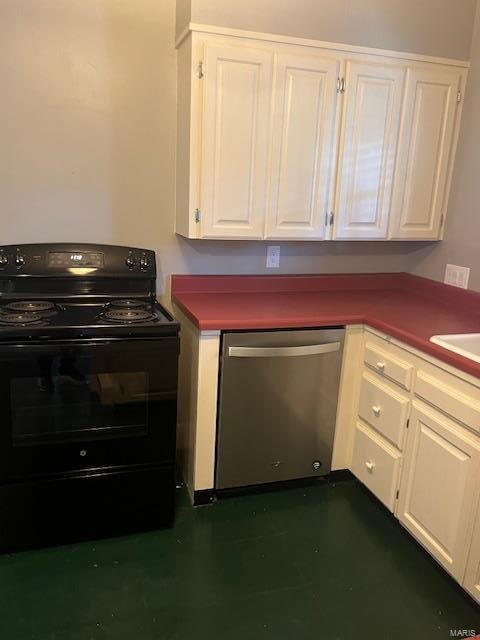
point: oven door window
(67, 402)
(87, 405)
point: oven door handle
(76, 342)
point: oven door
(68, 406)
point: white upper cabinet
(439, 487)
(282, 141)
(426, 152)
(303, 145)
(235, 140)
(373, 102)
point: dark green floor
(323, 562)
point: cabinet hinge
(200, 73)
(197, 215)
(459, 96)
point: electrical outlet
(457, 276)
(273, 257)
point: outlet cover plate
(457, 276)
(273, 257)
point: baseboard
(207, 496)
(340, 475)
(203, 497)
(333, 476)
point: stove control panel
(65, 259)
(133, 261)
(69, 259)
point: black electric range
(88, 390)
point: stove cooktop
(70, 291)
(46, 318)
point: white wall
(432, 27)
(462, 233)
(88, 140)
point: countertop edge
(367, 317)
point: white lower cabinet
(472, 574)
(439, 487)
(417, 449)
(379, 433)
(376, 464)
(383, 409)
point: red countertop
(406, 307)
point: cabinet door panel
(303, 153)
(472, 573)
(383, 409)
(235, 141)
(425, 151)
(376, 464)
(438, 489)
(369, 142)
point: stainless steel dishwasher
(278, 405)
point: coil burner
(20, 319)
(129, 316)
(43, 308)
(127, 304)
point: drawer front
(451, 400)
(376, 464)
(388, 365)
(383, 409)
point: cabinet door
(235, 140)
(472, 574)
(427, 141)
(303, 152)
(376, 464)
(439, 487)
(371, 119)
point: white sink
(465, 344)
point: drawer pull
(377, 411)
(370, 466)
(381, 366)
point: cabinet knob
(370, 466)
(376, 410)
(381, 366)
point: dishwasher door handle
(283, 352)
